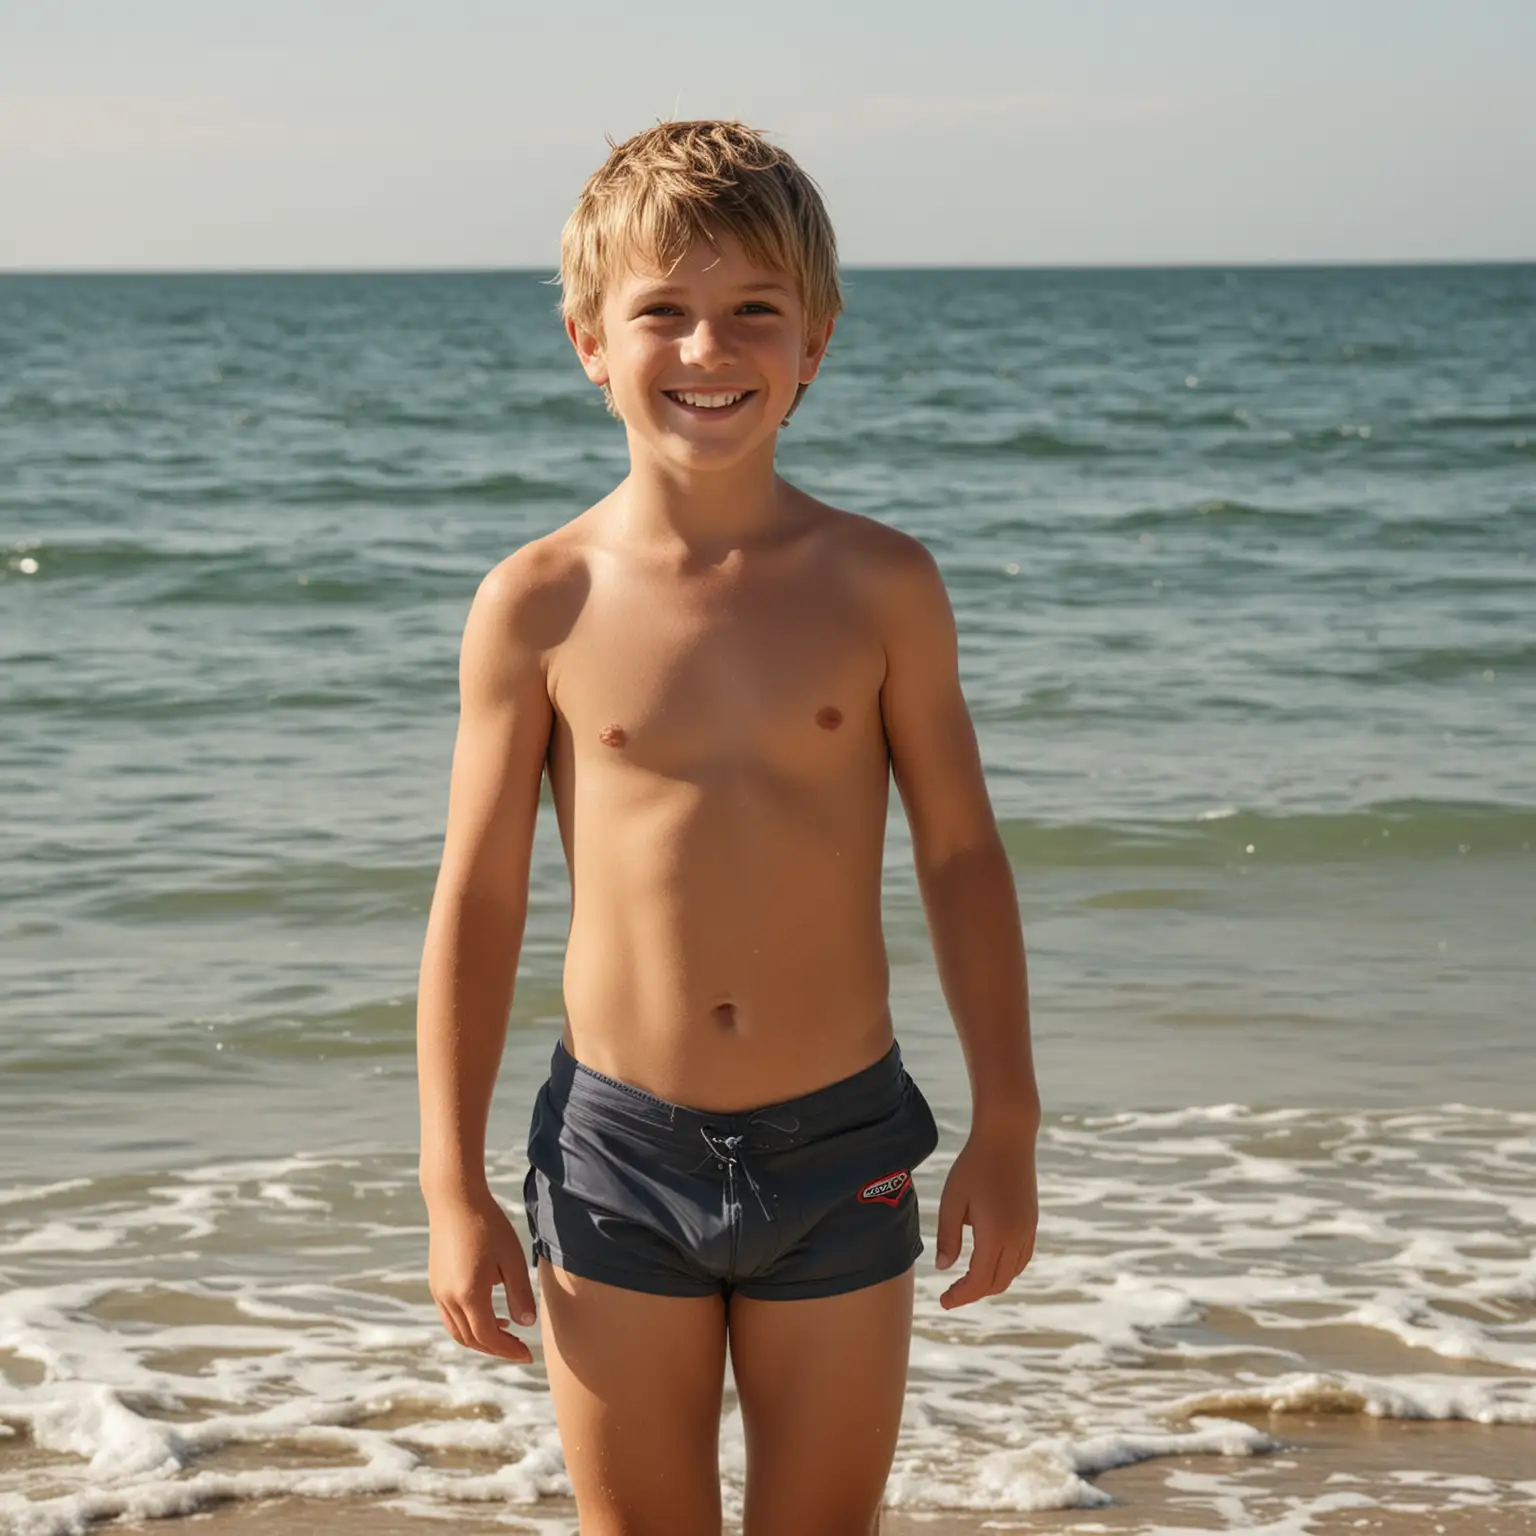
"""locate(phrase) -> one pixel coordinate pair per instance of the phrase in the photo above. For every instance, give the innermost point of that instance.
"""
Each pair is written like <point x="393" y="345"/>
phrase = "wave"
<point x="1435" y="664"/>
<point x="1390" y="830"/>
<point x="1315" y="1393"/>
<point x="1461" y="421"/>
<point x="1032" y="443"/>
<point x="26" y="405"/>
<point x="1200" y="1268"/>
<point x="388" y="488"/>
<point x="129" y="571"/>
<point x="329" y="891"/>
<point x="1476" y="666"/>
<point x="1170" y="419"/>
<point x="914" y="437"/>
<point x="1385" y="444"/>
<point x="1219" y="510"/>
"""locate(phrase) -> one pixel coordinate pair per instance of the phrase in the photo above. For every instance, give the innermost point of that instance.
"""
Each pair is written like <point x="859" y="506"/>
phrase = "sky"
<point x="258" y="134"/>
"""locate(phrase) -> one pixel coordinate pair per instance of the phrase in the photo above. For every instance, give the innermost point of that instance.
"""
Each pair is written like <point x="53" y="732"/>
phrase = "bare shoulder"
<point x="893" y="573"/>
<point x="887" y="551"/>
<point x="530" y="600"/>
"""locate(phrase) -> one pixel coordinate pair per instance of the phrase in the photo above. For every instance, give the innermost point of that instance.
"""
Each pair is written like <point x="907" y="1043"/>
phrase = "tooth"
<point x="709" y="402"/>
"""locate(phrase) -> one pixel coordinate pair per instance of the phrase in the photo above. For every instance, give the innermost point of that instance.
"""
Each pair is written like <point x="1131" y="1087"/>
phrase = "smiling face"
<point x="706" y="360"/>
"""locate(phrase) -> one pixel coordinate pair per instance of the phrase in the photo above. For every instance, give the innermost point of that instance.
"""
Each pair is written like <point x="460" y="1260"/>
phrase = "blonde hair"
<point x="663" y="189"/>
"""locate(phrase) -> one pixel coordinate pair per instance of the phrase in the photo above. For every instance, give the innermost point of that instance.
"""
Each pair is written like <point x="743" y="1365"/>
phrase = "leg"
<point x="821" y="1385"/>
<point x="637" y="1381"/>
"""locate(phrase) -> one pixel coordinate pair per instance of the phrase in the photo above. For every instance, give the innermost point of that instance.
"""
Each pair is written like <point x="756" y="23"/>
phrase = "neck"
<point x="705" y="510"/>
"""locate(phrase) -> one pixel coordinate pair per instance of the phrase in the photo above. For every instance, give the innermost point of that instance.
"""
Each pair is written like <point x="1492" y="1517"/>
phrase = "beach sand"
<point x="1382" y="1477"/>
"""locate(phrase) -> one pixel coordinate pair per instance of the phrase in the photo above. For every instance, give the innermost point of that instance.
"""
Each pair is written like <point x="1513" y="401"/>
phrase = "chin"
<point x="691" y="453"/>
<point x="711" y="457"/>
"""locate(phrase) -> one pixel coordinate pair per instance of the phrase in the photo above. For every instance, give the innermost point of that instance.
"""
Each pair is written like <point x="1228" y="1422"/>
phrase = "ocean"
<point x="1244" y="566"/>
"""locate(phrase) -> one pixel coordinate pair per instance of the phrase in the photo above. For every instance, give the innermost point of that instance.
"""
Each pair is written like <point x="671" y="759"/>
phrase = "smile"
<point x="712" y="400"/>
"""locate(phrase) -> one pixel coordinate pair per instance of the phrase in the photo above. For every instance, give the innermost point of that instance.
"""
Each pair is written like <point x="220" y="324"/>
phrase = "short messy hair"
<point x="675" y="183"/>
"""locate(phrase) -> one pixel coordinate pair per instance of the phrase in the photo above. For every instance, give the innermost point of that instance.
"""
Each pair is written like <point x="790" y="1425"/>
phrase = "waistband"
<point x="791" y="1120"/>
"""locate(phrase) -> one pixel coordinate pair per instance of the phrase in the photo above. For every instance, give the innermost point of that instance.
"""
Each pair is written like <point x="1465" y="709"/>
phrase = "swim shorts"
<point x="808" y="1197"/>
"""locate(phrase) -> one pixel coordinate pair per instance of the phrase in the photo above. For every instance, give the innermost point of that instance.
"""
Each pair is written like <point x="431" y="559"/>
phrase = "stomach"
<point x="724" y="953"/>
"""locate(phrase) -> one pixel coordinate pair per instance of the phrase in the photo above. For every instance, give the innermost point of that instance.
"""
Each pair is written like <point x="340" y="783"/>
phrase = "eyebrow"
<point x="663" y="290"/>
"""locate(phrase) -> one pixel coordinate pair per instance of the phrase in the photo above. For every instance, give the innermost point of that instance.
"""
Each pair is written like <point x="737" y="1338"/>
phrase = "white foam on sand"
<point x="1196" y="1269"/>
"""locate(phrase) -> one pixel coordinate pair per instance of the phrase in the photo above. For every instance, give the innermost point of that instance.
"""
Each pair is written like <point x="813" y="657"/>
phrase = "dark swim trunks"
<point x="808" y="1197"/>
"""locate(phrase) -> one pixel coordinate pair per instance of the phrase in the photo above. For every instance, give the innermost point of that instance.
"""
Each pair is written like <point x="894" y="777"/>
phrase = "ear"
<point x="816" y="343"/>
<point x="589" y="348"/>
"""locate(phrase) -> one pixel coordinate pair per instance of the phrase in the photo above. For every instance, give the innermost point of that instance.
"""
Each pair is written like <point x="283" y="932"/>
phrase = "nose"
<point x="707" y="345"/>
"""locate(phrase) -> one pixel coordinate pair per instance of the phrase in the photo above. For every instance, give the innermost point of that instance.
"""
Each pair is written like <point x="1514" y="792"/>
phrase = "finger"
<point x="449" y="1323"/>
<point x="979" y="1278"/>
<point x="462" y="1314"/>
<point x="1026" y="1253"/>
<point x="490" y="1334"/>
<point x="519" y="1289"/>
<point x="458" y="1326"/>
<point x="1011" y="1266"/>
<point x="952" y="1213"/>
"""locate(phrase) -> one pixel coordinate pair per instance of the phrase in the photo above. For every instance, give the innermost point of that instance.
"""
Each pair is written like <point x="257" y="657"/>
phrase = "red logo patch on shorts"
<point x="887" y="1190"/>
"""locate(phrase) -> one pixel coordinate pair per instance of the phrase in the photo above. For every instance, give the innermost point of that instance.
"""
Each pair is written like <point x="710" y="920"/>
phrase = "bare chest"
<point x="679" y="679"/>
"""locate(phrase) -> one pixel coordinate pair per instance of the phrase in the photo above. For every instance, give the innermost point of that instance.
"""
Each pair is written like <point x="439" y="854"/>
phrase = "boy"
<point x="719" y="674"/>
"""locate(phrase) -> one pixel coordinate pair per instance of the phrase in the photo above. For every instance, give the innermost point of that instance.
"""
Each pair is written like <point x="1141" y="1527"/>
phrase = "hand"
<point x="991" y="1188"/>
<point x="474" y="1247"/>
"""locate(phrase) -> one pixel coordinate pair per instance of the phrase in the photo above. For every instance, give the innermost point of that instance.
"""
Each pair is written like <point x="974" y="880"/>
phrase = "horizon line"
<point x="477" y="270"/>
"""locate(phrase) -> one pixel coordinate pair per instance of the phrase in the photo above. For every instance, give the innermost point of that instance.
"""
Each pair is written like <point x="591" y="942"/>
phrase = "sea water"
<point x="1244" y="567"/>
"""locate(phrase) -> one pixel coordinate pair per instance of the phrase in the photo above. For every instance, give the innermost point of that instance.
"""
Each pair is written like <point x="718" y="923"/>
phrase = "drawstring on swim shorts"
<point x="727" y="1152"/>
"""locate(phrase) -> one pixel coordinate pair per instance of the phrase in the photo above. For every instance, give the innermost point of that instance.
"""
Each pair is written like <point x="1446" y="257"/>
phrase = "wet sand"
<point x="1382" y="1477"/>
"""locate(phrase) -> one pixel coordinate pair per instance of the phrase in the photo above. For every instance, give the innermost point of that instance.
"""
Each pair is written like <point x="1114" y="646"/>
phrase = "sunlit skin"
<point x="719" y="675"/>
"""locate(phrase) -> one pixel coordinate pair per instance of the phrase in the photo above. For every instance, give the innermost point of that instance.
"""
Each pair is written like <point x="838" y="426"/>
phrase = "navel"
<point x="613" y="736"/>
<point x="829" y="717"/>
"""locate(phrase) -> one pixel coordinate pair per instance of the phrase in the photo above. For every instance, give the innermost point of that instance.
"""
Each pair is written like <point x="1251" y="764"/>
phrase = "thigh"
<point x="637" y="1382"/>
<point x="821" y="1384"/>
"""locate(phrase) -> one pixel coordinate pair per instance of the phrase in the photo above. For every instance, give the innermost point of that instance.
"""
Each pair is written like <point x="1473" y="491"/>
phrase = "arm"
<point x="973" y="918"/>
<point x="469" y="959"/>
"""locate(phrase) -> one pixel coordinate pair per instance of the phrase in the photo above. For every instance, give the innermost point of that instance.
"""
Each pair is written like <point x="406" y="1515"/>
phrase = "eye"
<point x="760" y="307"/>
<point x="659" y="309"/>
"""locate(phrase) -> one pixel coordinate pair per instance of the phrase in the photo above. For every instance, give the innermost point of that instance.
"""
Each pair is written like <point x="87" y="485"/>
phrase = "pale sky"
<point x="444" y="133"/>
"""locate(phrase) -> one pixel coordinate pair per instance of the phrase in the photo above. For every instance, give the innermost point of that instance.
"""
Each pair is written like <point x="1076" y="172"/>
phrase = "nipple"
<point x="829" y="717"/>
<point x="613" y="736"/>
